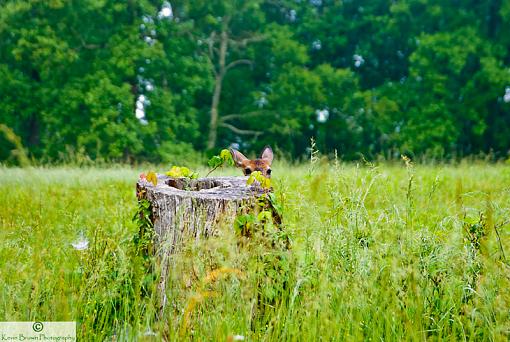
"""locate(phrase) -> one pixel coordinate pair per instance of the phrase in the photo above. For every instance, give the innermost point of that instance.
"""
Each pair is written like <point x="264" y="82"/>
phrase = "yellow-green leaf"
<point x="250" y="180"/>
<point x="266" y="182"/>
<point x="181" y="171"/>
<point x="185" y="172"/>
<point x="152" y="177"/>
<point x="264" y="215"/>
<point x="225" y="154"/>
<point x="175" y="172"/>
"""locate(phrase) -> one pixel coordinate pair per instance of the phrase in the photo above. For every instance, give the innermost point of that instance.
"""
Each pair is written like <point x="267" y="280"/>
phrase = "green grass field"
<point x="378" y="253"/>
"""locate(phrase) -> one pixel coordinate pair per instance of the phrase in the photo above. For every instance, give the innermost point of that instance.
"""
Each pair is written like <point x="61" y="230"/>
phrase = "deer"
<point x="262" y="164"/>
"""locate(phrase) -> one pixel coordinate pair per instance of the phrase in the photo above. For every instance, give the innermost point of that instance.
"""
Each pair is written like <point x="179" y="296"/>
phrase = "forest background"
<point x="152" y="81"/>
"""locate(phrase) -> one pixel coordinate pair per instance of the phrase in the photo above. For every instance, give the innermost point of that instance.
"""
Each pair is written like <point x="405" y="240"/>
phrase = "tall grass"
<point x="387" y="252"/>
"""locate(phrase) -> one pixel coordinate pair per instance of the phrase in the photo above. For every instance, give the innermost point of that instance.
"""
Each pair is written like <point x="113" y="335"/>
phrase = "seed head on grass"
<point x="214" y="275"/>
<point x="192" y="303"/>
<point x="210" y="278"/>
<point x="407" y="161"/>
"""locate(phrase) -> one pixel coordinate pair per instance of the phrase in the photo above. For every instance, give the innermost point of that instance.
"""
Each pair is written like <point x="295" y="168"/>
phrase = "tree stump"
<point x="183" y="209"/>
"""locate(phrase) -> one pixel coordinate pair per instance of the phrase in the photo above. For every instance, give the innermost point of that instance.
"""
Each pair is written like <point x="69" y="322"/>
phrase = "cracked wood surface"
<point x="184" y="209"/>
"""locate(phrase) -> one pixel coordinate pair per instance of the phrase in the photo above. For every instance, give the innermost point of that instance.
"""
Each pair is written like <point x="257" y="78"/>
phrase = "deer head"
<point x="262" y="164"/>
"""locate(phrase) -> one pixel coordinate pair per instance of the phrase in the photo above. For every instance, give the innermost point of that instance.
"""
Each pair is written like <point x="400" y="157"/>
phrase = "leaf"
<point x="181" y="171"/>
<point x="243" y="221"/>
<point x="224" y="154"/>
<point x="175" y="172"/>
<point x="215" y="161"/>
<point x="263" y="181"/>
<point x="250" y="180"/>
<point x="226" y="157"/>
<point x="274" y="202"/>
<point x="264" y="215"/>
<point x="185" y="172"/>
<point x="152" y="177"/>
<point x="253" y="176"/>
<point x="266" y="182"/>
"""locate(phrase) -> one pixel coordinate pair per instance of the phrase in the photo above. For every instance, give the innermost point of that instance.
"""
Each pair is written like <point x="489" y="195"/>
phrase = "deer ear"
<point x="238" y="157"/>
<point x="267" y="154"/>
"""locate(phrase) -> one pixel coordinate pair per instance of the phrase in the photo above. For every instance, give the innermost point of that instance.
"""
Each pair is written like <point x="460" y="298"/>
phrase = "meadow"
<point x="379" y="252"/>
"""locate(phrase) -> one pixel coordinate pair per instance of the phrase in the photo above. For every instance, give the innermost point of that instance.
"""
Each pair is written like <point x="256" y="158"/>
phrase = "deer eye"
<point x="268" y="171"/>
<point x="247" y="171"/>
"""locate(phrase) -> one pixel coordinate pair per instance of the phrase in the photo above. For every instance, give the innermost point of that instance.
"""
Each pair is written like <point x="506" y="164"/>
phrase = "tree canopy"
<point x="156" y="81"/>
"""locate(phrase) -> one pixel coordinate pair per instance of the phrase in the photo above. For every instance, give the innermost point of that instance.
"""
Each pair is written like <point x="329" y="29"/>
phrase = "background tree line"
<point x="157" y="81"/>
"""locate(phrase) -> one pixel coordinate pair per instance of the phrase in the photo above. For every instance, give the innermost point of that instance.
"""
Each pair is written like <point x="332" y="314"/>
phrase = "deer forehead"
<point x="256" y="164"/>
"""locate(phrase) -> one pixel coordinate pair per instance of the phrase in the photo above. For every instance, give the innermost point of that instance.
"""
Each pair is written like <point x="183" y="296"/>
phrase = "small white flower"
<point x="81" y="244"/>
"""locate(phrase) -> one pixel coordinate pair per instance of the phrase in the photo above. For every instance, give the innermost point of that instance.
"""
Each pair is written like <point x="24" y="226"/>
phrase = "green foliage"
<point x="353" y="253"/>
<point x="244" y="223"/>
<point x="262" y="181"/>
<point x="215" y="162"/>
<point x="425" y="78"/>
<point x="181" y="171"/>
<point x="224" y="158"/>
<point x="261" y="226"/>
<point x="144" y="239"/>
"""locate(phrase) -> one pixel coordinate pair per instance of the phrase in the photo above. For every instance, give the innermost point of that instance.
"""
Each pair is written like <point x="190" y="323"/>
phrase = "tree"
<point x="77" y="78"/>
<point x="224" y="29"/>
<point x="364" y="77"/>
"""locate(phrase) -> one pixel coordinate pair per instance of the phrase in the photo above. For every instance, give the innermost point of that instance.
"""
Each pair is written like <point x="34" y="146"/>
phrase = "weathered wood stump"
<point x="184" y="209"/>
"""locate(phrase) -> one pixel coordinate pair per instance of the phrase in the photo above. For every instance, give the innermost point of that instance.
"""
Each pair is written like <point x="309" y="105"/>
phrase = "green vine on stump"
<point x="224" y="158"/>
<point x="143" y="242"/>
<point x="144" y="238"/>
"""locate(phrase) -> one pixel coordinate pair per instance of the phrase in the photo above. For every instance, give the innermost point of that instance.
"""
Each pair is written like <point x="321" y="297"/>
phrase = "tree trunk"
<point x="183" y="210"/>
<point x="213" y="124"/>
<point x="220" y="74"/>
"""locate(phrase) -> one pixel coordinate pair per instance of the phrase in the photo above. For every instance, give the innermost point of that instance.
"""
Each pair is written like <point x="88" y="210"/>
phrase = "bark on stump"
<point x="182" y="209"/>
